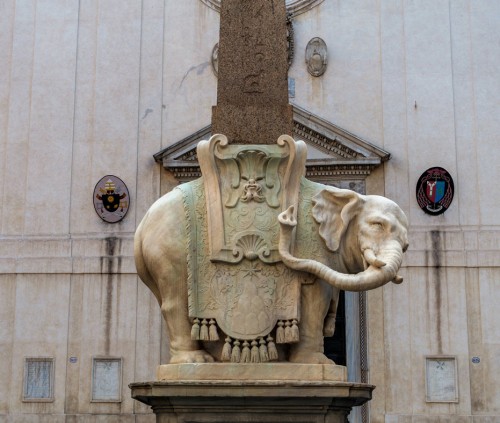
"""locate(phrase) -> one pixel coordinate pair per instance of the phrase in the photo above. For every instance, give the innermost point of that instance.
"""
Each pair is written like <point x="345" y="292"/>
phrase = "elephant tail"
<point x="140" y="264"/>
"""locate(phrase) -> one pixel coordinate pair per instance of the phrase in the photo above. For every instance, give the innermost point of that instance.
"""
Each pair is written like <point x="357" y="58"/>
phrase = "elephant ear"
<point x="333" y="209"/>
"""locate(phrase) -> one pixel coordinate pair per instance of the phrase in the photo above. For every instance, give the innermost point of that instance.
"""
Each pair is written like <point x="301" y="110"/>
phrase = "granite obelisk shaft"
<point x="252" y="93"/>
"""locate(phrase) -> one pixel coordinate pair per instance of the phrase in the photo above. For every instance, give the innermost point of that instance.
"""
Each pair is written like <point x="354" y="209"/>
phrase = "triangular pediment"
<point x="333" y="152"/>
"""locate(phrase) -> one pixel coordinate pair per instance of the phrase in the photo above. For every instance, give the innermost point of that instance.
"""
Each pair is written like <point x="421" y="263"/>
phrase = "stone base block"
<point x="262" y="371"/>
<point x="251" y="401"/>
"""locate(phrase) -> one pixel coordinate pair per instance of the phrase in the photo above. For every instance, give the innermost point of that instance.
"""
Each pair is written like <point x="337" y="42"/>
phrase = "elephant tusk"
<point x="372" y="259"/>
<point x="398" y="279"/>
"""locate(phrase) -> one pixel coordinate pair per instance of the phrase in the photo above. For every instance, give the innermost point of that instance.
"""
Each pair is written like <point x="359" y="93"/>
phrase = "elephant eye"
<point x="377" y="224"/>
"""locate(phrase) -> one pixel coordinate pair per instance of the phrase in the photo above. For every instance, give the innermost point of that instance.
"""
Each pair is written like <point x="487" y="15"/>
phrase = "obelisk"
<point x="246" y="183"/>
<point x="252" y="93"/>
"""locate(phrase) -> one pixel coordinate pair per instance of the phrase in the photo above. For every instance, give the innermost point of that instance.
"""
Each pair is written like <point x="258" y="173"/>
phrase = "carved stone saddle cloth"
<point x="236" y="280"/>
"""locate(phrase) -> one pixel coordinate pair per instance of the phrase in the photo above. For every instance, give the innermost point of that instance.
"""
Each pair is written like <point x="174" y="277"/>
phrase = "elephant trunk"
<point x="378" y="273"/>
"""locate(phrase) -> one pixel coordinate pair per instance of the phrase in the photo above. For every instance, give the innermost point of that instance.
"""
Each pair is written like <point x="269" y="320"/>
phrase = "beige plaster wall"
<point x="97" y="87"/>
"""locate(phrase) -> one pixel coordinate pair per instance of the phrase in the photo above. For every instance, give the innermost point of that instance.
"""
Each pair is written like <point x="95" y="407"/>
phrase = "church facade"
<point x="396" y="98"/>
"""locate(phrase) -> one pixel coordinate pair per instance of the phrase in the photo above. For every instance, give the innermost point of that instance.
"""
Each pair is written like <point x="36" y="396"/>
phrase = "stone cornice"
<point x="339" y="153"/>
<point x="466" y="247"/>
<point x="330" y="137"/>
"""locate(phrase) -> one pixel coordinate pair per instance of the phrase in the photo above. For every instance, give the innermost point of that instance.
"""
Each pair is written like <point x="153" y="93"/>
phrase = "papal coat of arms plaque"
<point x="111" y="199"/>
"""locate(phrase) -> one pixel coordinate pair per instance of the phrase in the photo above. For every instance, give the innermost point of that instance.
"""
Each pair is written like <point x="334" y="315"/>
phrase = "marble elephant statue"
<point x="342" y="240"/>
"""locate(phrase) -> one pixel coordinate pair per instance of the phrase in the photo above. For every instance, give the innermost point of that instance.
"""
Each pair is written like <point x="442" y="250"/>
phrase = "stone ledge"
<point x="283" y="372"/>
<point x="449" y="259"/>
<point x="69" y="265"/>
<point x="352" y="393"/>
<point x="268" y="401"/>
<point x="82" y="417"/>
<point x="126" y="265"/>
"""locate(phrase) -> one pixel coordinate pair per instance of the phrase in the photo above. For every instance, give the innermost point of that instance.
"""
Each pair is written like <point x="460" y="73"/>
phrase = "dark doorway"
<point x="335" y="346"/>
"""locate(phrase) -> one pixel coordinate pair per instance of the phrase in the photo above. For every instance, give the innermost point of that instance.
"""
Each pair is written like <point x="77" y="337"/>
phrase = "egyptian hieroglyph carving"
<point x="294" y="7"/>
<point x="252" y="90"/>
<point x="252" y="255"/>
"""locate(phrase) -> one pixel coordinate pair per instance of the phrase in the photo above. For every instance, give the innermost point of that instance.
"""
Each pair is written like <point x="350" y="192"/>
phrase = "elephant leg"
<point x="315" y="305"/>
<point x="174" y="309"/>
<point x="161" y="246"/>
<point x="331" y="317"/>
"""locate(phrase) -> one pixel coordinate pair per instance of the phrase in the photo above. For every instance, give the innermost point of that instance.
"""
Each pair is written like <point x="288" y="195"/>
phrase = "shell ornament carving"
<point x="252" y="247"/>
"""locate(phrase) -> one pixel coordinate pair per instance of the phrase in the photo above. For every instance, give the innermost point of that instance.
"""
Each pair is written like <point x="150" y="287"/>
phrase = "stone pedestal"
<point x="313" y="399"/>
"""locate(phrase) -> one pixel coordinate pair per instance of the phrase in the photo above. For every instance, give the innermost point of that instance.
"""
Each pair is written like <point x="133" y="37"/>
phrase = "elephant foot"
<point x="309" y="357"/>
<point x="197" y="356"/>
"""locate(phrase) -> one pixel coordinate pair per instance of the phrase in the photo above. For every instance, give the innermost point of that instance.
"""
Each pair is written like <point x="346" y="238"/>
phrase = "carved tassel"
<point x="264" y="355"/>
<point x="212" y="331"/>
<point x="236" y="353"/>
<point x="280" y="333"/>
<point x="195" y="330"/>
<point x="255" y="356"/>
<point x="226" y="350"/>
<point x="271" y="349"/>
<point x="288" y="332"/>
<point x="245" y="353"/>
<point x="295" y="331"/>
<point x="204" y="331"/>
